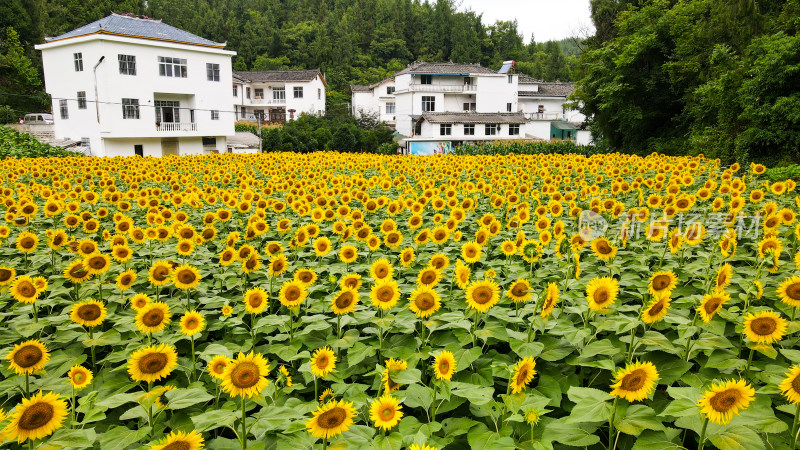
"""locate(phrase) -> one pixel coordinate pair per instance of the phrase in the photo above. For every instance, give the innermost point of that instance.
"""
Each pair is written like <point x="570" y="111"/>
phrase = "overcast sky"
<point x="546" y="19"/>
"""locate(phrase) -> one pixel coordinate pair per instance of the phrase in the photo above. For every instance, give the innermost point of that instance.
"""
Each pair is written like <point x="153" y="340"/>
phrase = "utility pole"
<point x="260" y="143"/>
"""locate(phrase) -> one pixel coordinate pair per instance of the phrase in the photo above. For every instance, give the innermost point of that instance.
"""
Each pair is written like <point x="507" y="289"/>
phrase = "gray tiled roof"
<point x="278" y="75"/>
<point x="547" y="89"/>
<point x="443" y="68"/>
<point x="473" y="117"/>
<point x="359" y="88"/>
<point x="524" y="79"/>
<point x="134" y="26"/>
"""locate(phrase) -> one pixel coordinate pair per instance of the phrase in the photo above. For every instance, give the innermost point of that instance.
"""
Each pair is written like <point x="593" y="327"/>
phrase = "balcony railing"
<point x="177" y="126"/>
<point x="443" y="87"/>
<point x="542" y="116"/>
<point x="277" y="101"/>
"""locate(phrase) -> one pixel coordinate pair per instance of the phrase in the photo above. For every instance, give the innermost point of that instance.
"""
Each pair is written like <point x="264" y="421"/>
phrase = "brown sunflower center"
<point x="219" y="367"/>
<point x="277" y="266"/>
<point x="26" y="289"/>
<point x="381" y="271"/>
<point x="661" y="282"/>
<point x="153" y="362"/>
<point x="305" y="277"/>
<point x="428" y="277"/>
<point x="763" y="326"/>
<point x="444" y="366"/>
<point x="255" y="300"/>
<point x="153" y="318"/>
<point x="89" y="312"/>
<point x="344" y="300"/>
<point x="292" y="293"/>
<point x="482" y="295"/>
<point x="634" y="380"/>
<point x="793" y="291"/>
<point x="322" y="362"/>
<point x="126" y="279"/>
<point x="5" y="275"/>
<point x="160" y="273"/>
<point x="470" y="251"/>
<point x="186" y="276"/>
<point x="725" y="400"/>
<point x="796" y="384"/>
<point x="603" y="248"/>
<point x="712" y="305"/>
<point x="425" y="301"/>
<point x="522" y="375"/>
<point x="601" y="296"/>
<point x="657" y="308"/>
<point x="36" y="416"/>
<point x="351" y="282"/>
<point x="28" y="356"/>
<point x="385" y="293"/>
<point x="519" y="290"/>
<point x="79" y="377"/>
<point x="387" y="412"/>
<point x="27" y="242"/>
<point x="245" y="375"/>
<point x="177" y="445"/>
<point x="332" y="418"/>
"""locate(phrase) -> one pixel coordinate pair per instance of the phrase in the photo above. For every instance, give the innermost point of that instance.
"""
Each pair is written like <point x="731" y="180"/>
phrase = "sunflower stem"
<point x="27" y="386"/>
<point x="35" y="312"/>
<point x="194" y="364"/>
<point x="749" y="361"/>
<point x="244" y="428"/>
<point x="794" y="312"/>
<point x="72" y="409"/>
<point x="324" y="443"/>
<point x="433" y="402"/>
<point x="316" y="390"/>
<point x="91" y="348"/>
<point x="611" y="422"/>
<point x="702" y="441"/>
<point x="795" y="424"/>
<point x="630" y="345"/>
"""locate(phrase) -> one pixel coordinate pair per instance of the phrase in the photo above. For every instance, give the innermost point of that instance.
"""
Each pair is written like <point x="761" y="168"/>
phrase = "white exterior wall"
<point x="194" y="92"/>
<point x="432" y="131"/>
<point x="494" y="92"/>
<point x="313" y="101"/>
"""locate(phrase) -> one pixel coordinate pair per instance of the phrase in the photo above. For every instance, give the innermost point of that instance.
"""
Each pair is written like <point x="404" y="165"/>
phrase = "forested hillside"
<point x="353" y="42"/>
<point x="719" y="77"/>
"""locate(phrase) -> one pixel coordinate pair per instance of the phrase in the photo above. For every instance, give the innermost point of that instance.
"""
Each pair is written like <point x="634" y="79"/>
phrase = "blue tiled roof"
<point x="133" y="26"/>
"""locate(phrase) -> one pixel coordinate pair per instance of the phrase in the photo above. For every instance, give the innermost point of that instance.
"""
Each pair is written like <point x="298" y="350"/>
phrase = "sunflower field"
<point x="326" y="300"/>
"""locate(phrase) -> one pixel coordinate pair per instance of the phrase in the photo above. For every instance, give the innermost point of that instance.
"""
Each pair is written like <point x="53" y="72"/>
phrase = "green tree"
<point x="18" y="77"/>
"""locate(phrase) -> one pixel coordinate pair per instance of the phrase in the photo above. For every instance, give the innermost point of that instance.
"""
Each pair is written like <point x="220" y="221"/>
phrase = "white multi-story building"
<point x="278" y="95"/>
<point x="437" y="105"/>
<point x="137" y="86"/>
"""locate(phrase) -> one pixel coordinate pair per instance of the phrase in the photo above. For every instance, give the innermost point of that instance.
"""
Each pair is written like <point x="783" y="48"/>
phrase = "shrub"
<point x="14" y="144"/>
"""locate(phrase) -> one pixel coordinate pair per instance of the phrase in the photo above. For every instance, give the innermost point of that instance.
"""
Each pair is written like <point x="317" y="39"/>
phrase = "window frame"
<point x="426" y="79"/>
<point x="297" y="90"/>
<point x="130" y="109"/>
<point x="81" y="99"/>
<point x="509" y="106"/>
<point x="212" y="72"/>
<point x="491" y="129"/>
<point x="430" y="100"/>
<point x="214" y="114"/>
<point x="445" y="129"/>
<point x="77" y="60"/>
<point x="258" y="93"/>
<point x="470" y="106"/>
<point x="513" y="129"/>
<point x="279" y="93"/>
<point x="390" y="90"/>
<point x="393" y="107"/>
<point x="173" y="67"/>
<point x="63" y="109"/>
<point x="235" y="91"/>
<point x="127" y="64"/>
<point x="469" y="129"/>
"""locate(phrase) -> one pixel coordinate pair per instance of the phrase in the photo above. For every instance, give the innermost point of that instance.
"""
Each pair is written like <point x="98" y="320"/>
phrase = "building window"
<point x="78" y="61"/>
<point x="510" y="79"/>
<point x="138" y="150"/>
<point x="467" y="81"/>
<point x="298" y="92"/>
<point x="130" y="108"/>
<point x="390" y="108"/>
<point x="214" y="114"/>
<point x="62" y="108"/>
<point x="172" y="67"/>
<point x="469" y="129"/>
<point x="248" y="92"/>
<point x="212" y="72"/>
<point x="279" y="93"/>
<point x="127" y="64"/>
<point x="235" y="91"/>
<point x="492" y="129"/>
<point x="389" y="90"/>
<point x="469" y="107"/>
<point x="445" y="129"/>
<point x="428" y="103"/>
<point x="319" y="94"/>
<point x="426" y="79"/>
<point x="168" y="111"/>
<point x="508" y="107"/>
<point x="259" y="93"/>
<point x="513" y="129"/>
<point x="540" y="109"/>
<point x="81" y="99"/>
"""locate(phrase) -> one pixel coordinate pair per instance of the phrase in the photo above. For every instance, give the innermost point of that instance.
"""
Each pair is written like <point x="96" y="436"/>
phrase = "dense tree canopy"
<point x="719" y="77"/>
<point x="352" y="41"/>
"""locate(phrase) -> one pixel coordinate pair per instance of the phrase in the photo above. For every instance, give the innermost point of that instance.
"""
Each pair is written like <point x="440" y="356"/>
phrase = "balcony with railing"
<point x="176" y="126"/>
<point x="446" y="88"/>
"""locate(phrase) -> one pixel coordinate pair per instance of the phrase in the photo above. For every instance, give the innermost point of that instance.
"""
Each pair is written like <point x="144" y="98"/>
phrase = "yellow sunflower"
<point x="789" y="291"/>
<point x="635" y="382"/>
<point x="429" y="276"/>
<point x="36" y="417"/>
<point x="711" y="304"/>
<point x="192" y="323"/>
<point x="331" y="419"/>
<point x="519" y="291"/>
<point x="217" y="365"/>
<point x="385" y="294"/>
<point x="348" y="254"/>
<point x="462" y="273"/>
<point x="97" y="263"/>
<point x="392" y="365"/>
<point x="444" y="365"/>
<point x="601" y="293"/>
<point x="76" y="272"/>
<point x="139" y="301"/>
<point x="27" y="242"/>
<point x="424" y="301"/>
<point x="385" y="412"/>
<point x="153" y="317"/>
<point x="246" y="376"/>
<point x="381" y="269"/>
<point x="550" y="300"/>
<point x="482" y="295"/>
<point x="180" y="440"/>
<point x="28" y="357"/>
<point x="126" y="279"/>
<point x="723" y="278"/>
<point x="662" y="282"/>
<point x="186" y="277"/>
<point x="790" y="386"/>
<point x="723" y="400"/>
<point x="292" y="294"/>
<point x="160" y="274"/>
<point x="305" y="276"/>
<point x="764" y="327"/>
<point x="23" y="290"/>
<point x="256" y="300"/>
<point x="7" y="275"/>
<point x="322" y="362"/>
<point x="89" y="313"/>
<point x="523" y="374"/>
<point x="345" y="301"/>
<point x="471" y="252"/>
<point x="152" y="363"/>
<point x="657" y="309"/>
<point x="603" y="249"/>
<point x="79" y="377"/>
